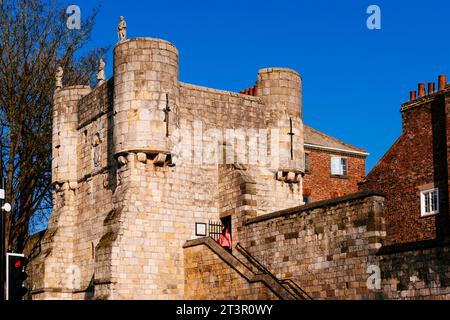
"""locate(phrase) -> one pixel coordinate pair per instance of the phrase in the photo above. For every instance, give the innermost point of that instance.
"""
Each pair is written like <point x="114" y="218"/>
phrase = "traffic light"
<point x="16" y="276"/>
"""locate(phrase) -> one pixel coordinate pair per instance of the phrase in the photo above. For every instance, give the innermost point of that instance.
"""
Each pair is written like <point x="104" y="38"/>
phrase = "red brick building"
<point x="414" y="172"/>
<point x="333" y="167"/>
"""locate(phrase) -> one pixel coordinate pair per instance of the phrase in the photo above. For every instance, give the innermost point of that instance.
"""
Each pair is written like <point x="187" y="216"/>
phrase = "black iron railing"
<point x="289" y="284"/>
<point x="215" y="229"/>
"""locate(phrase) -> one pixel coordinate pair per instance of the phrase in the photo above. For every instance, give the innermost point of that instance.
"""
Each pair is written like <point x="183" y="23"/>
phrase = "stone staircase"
<point x="259" y="269"/>
<point x="248" y="268"/>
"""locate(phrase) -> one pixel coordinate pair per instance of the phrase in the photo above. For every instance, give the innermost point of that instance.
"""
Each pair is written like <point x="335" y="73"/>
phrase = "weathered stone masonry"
<point x="126" y="199"/>
<point x="127" y="195"/>
<point x="330" y="249"/>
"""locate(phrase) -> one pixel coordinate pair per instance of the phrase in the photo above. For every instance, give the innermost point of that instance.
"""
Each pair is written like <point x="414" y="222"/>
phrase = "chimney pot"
<point x="430" y="87"/>
<point x="421" y="90"/>
<point x="412" y="95"/>
<point x="442" y="82"/>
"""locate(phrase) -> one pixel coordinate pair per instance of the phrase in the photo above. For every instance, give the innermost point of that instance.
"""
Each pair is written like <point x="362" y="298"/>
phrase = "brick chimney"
<point x="430" y="88"/>
<point x="442" y="82"/>
<point x="421" y="90"/>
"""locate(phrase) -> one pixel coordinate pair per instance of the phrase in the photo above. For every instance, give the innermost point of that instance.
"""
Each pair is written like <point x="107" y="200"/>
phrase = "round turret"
<point x="145" y="76"/>
<point x="281" y="90"/>
<point x="65" y="133"/>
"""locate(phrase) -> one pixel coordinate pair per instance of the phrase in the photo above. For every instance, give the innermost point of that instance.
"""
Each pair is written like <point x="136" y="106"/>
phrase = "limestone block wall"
<point x="273" y="194"/>
<point x="145" y="76"/>
<point x="228" y="123"/>
<point x="209" y="277"/>
<point x="96" y="104"/>
<point x="96" y="183"/>
<point x="157" y="208"/>
<point x="333" y="248"/>
<point x="416" y="273"/>
<point x="58" y="272"/>
<point x="65" y="133"/>
<point x="52" y="272"/>
<point x="121" y="214"/>
<point x="247" y="192"/>
<point x="281" y="91"/>
<point x="325" y="247"/>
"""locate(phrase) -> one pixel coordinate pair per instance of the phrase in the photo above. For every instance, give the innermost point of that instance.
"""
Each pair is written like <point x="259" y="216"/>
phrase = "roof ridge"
<point x="335" y="139"/>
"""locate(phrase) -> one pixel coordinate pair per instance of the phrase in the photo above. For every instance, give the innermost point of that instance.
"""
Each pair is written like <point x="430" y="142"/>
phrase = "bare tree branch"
<point x="34" y="41"/>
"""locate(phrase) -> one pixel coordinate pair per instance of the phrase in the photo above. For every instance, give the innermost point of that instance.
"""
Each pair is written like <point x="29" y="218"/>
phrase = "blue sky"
<point x="354" y="79"/>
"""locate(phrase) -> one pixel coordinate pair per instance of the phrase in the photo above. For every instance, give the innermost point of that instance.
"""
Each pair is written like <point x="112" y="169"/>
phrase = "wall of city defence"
<point x="136" y="166"/>
<point x="332" y="249"/>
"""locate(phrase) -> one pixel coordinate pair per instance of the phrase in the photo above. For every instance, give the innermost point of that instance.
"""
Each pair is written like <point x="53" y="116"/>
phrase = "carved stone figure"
<point x="105" y="179"/>
<point x="58" y="77"/>
<point x="101" y="72"/>
<point x="96" y="147"/>
<point x="122" y="30"/>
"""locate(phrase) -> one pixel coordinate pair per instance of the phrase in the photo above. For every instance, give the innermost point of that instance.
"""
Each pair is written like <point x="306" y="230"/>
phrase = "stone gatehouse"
<point x="137" y="163"/>
<point x="143" y="162"/>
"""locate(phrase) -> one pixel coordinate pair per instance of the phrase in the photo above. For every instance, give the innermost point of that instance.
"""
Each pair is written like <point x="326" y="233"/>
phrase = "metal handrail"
<point x="262" y="268"/>
<point x="291" y="282"/>
<point x="249" y="269"/>
<point x="258" y="264"/>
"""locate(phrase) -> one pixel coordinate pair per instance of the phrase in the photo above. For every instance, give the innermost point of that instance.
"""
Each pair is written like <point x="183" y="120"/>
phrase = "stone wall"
<point x="332" y="248"/>
<point x="415" y="272"/>
<point x="324" y="247"/>
<point x="96" y="104"/>
<point x="214" y="274"/>
<point x="132" y="178"/>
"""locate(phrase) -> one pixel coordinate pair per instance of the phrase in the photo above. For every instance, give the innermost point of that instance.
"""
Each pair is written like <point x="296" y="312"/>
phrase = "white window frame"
<point x="340" y="170"/>
<point x="423" y="199"/>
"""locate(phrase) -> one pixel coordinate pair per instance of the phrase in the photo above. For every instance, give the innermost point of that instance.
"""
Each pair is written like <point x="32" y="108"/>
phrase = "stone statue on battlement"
<point x="58" y="77"/>
<point x="122" y="30"/>
<point x="101" y="72"/>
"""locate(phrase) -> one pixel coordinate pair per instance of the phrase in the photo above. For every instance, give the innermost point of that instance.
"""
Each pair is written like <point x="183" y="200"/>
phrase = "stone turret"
<point x="145" y="74"/>
<point x="56" y="268"/>
<point x="123" y="207"/>
<point x="65" y="133"/>
<point x="281" y="91"/>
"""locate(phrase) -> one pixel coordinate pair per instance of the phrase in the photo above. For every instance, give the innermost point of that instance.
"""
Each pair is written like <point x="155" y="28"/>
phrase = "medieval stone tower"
<point x="142" y="158"/>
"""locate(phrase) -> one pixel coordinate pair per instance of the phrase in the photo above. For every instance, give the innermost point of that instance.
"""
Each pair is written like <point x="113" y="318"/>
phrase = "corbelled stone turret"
<point x="145" y="75"/>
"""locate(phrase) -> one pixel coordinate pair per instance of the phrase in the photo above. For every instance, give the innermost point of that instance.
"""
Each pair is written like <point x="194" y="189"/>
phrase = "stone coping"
<point x="412" y="246"/>
<point x="161" y="41"/>
<point x="69" y="88"/>
<point x="316" y="205"/>
<point x="219" y="91"/>
<point x="267" y="70"/>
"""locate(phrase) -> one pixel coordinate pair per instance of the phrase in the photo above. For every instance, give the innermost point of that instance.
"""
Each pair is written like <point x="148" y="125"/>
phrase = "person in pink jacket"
<point x="225" y="239"/>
